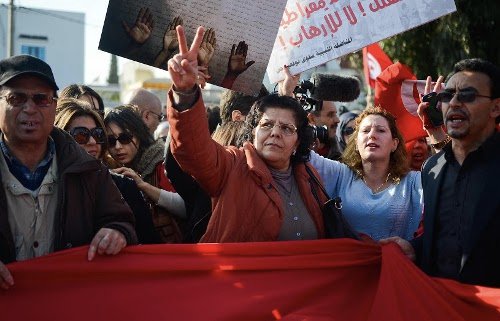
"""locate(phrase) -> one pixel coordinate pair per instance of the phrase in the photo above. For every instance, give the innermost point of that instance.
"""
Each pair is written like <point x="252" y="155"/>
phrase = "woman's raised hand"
<point x="183" y="67"/>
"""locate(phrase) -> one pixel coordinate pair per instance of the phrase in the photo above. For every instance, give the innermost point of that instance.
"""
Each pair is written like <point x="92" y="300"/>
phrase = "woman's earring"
<point x="294" y="151"/>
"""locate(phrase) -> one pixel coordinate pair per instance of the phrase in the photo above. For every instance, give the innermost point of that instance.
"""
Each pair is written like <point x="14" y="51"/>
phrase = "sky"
<point x="96" y="61"/>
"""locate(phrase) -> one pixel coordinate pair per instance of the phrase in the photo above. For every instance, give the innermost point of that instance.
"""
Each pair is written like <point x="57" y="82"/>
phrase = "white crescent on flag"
<point x="411" y="91"/>
<point x="373" y="66"/>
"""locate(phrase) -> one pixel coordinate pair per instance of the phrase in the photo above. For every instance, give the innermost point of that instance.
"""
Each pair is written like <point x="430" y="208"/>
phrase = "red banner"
<point x="307" y="280"/>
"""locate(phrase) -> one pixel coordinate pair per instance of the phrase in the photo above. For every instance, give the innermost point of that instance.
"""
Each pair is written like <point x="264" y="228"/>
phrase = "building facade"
<point x="57" y="37"/>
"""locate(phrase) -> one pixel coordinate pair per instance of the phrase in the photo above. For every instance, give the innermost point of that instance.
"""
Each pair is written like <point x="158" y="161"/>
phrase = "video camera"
<point x="302" y="93"/>
<point x="325" y="87"/>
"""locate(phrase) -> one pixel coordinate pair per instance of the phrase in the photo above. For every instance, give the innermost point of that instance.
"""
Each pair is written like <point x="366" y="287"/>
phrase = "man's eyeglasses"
<point x="286" y="129"/>
<point x="18" y="99"/>
<point x="464" y="96"/>
<point x="348" y="131"/>
<point x="82" y="135"/>
<point x="161" y="117"/>
<point x="124" y="139"/>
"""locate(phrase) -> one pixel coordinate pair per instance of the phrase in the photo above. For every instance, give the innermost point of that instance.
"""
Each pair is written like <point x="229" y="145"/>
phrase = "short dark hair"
<point x="127" y="118"/>
<point x="232" y="100"/>
<point x="304" y="131"/>
<point x="77" y="91"/>
<point x="482" y="66"/>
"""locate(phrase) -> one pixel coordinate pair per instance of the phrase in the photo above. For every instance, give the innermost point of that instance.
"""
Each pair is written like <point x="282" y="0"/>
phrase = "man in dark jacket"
<point x="54" y="195"/>
<point x="462" y="200"/>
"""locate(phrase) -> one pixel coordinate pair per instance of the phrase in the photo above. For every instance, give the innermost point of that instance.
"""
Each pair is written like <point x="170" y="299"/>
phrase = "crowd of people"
<point x="73" y="175"/>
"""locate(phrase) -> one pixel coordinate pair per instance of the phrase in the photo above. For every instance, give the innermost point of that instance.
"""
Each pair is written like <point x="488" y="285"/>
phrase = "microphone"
<point x="334" y="88"/>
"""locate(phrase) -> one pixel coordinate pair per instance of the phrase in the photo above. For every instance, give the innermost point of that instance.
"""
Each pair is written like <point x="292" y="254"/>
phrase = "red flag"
<point x="374" y="62"/>
<point x="316" y="280"/>
<point x="397" y="90"/>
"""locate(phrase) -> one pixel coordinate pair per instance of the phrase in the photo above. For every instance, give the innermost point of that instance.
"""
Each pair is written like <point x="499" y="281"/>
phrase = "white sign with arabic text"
<point x="314" y="32"/>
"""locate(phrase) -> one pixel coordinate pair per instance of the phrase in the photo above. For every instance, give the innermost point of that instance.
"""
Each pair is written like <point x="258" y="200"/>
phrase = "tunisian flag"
<point x="397" y="90"/>
<point x="304" y="280"/>
<point x="374" y="61"/>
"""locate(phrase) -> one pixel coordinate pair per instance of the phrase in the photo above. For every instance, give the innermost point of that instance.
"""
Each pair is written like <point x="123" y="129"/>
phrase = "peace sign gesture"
<point x="183" y="67"/>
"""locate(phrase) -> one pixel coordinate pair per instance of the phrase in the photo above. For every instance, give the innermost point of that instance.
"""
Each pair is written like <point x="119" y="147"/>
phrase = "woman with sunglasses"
<point x="345" y="128"/>
<point x="141" y="158"/>
<point x="85" y="93"/>
<point x="87" y="128"/>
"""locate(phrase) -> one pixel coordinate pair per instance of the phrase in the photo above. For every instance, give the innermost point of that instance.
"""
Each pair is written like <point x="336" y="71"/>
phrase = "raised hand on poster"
<point x="203" y="76"/>
<point x="207" y="48"/>
<point x="141" y="30"/>
<point x="237" y="64"/>
<point x="183" y="67"/>
<point x="170" y="43"/>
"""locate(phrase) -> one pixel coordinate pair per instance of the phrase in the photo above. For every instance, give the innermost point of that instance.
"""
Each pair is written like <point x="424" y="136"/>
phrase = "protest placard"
<point x="314" y="32"/>
<point x="239" y="41"/>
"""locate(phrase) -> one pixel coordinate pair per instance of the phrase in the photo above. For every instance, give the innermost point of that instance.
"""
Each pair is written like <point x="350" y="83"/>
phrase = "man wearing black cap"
<point x="54" y="195"/>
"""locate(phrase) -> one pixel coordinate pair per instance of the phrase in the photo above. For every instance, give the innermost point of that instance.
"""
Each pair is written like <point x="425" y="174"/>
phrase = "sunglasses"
<point x="123" y="138"/>
<point x="348" y="131"/>
<point x="82" y="135"/>
<point x="18" y="99"/>
<point x="464" y="96"/>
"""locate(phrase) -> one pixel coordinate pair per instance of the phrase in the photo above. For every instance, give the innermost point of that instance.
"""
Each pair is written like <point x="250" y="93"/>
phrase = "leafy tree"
<point x="113" y="71"/>
<point x="433" y="48"/>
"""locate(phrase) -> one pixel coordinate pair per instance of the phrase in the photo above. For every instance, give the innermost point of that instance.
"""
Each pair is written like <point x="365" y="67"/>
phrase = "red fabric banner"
<point x="307" y="280"/>
<point x="375" y="60"/>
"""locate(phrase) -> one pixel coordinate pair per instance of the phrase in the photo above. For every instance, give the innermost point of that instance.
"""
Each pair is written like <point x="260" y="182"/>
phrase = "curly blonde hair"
<point x="398" y="161"/>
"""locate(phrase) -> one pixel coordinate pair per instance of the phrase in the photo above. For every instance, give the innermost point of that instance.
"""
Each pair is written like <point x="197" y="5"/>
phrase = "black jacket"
<point x="481" y="256"/>
<point x="197" y="201"/>
<point x="144" y="226"/>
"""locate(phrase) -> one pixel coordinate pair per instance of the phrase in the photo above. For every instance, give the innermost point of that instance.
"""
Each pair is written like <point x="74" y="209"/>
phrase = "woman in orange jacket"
<point x="260" y="192"/>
